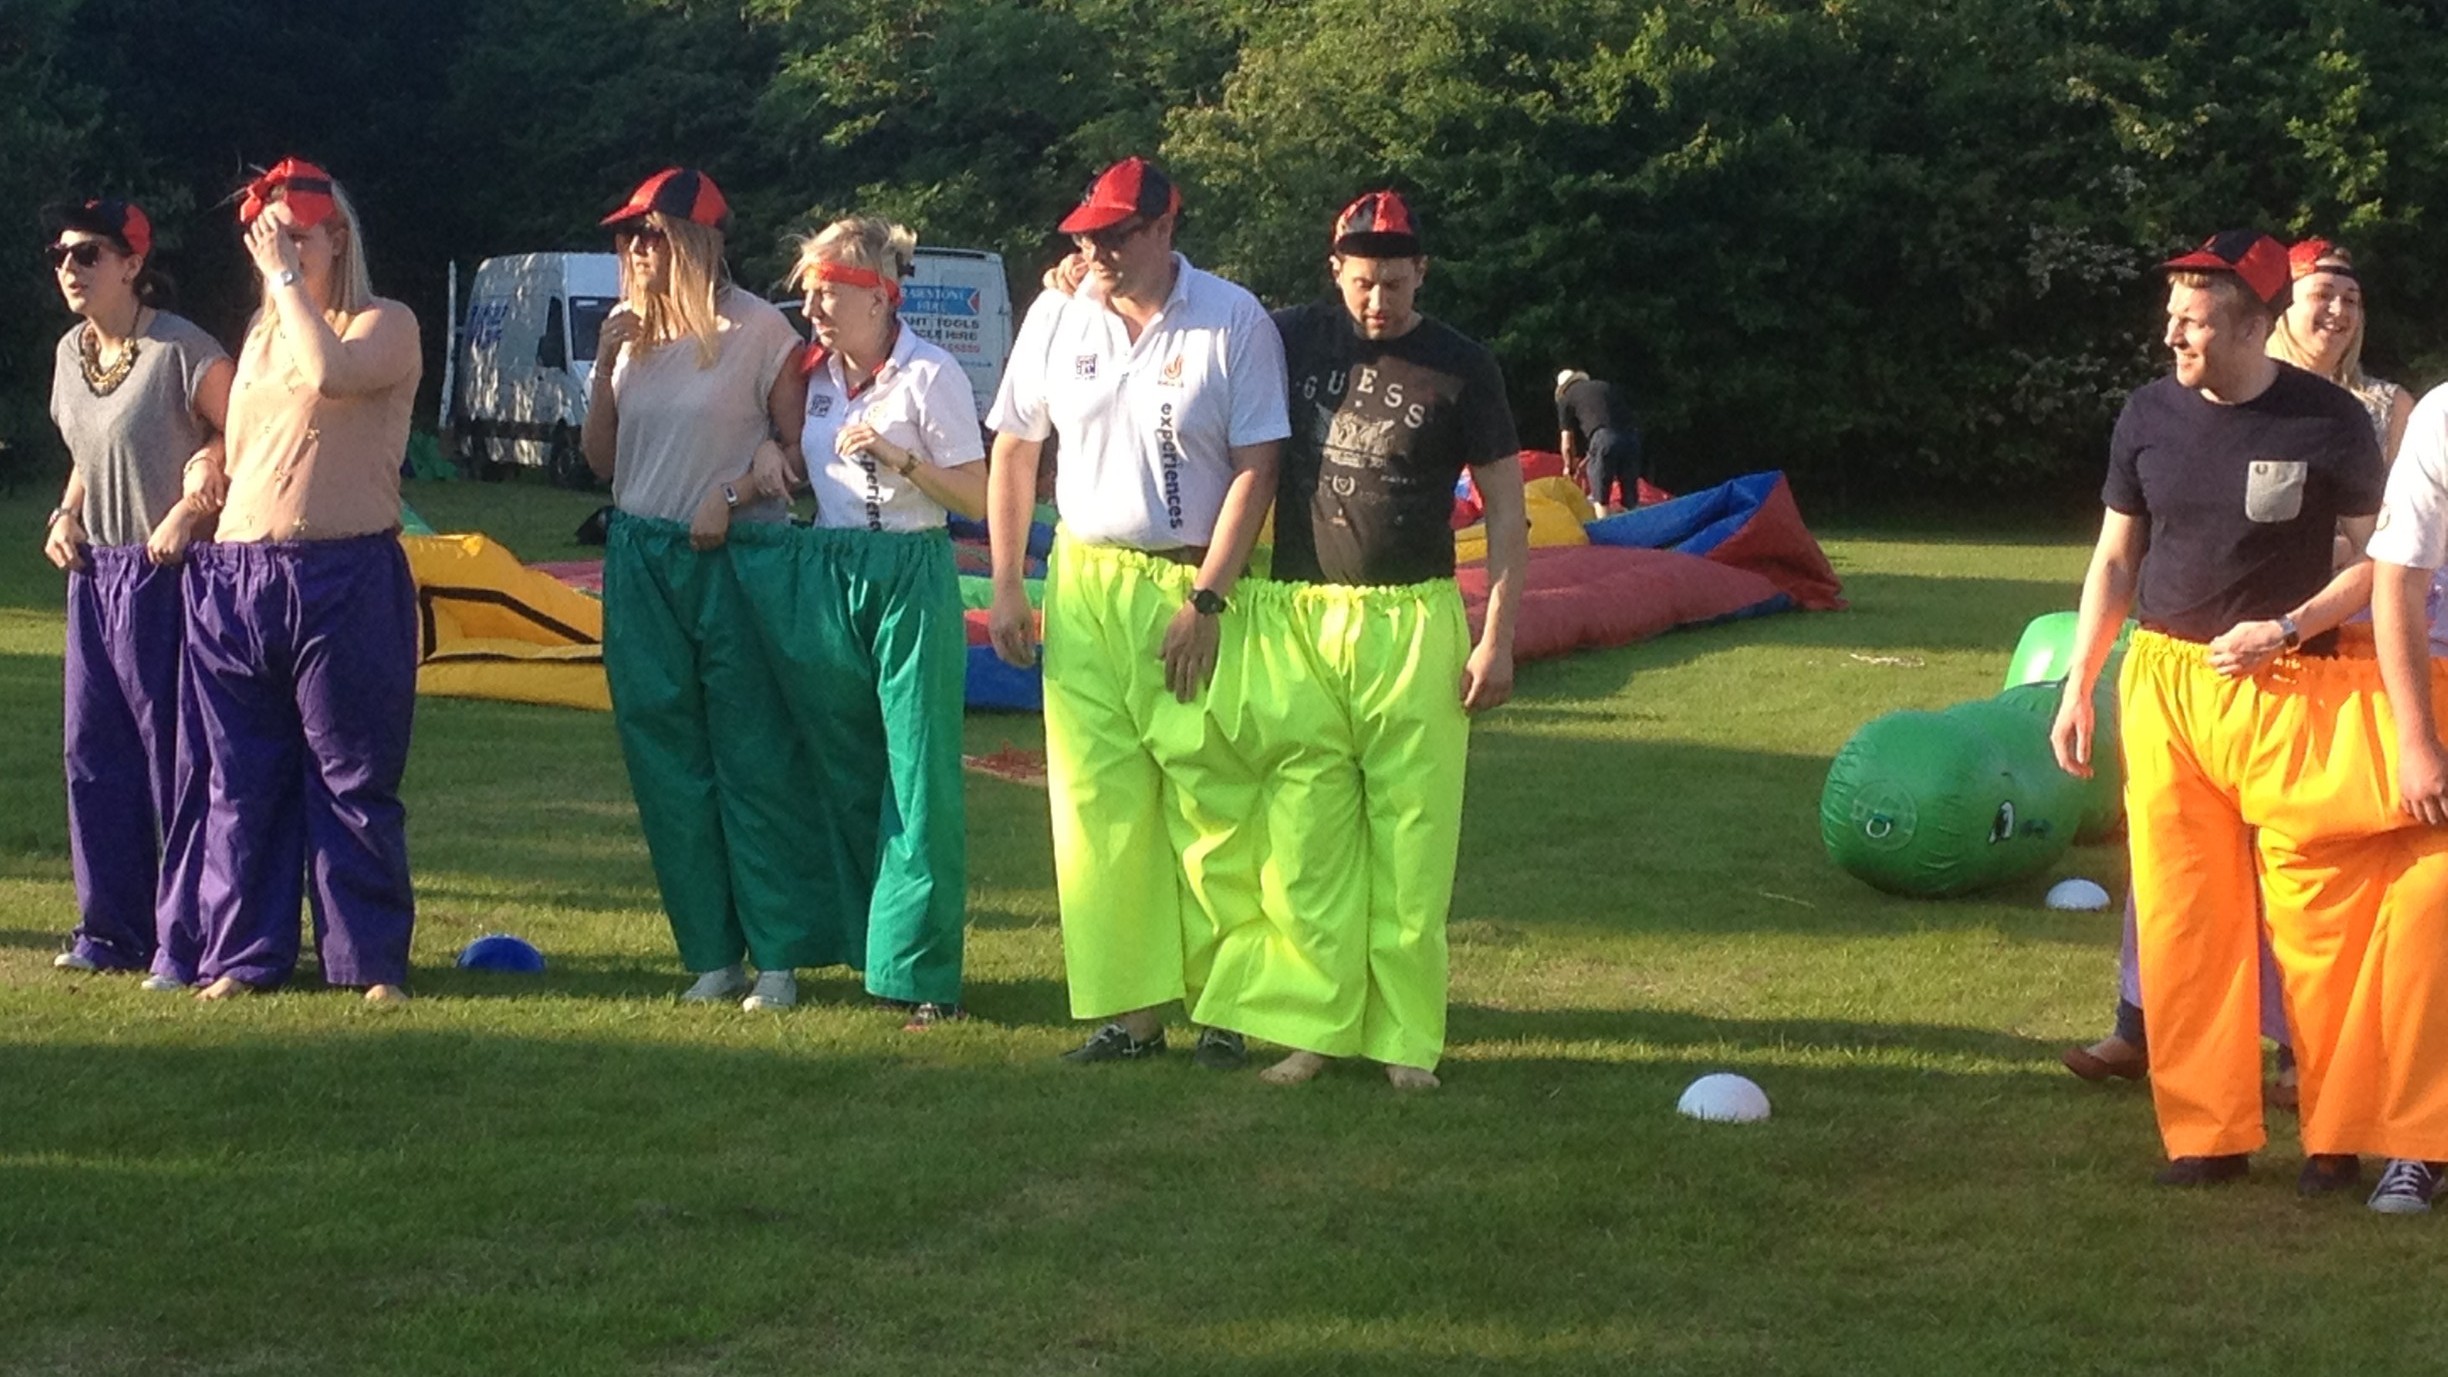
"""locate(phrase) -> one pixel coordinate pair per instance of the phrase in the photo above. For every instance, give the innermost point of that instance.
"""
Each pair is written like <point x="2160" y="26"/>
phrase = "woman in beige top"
<point x="694" y="416"/>
<point x="302" y="628"/>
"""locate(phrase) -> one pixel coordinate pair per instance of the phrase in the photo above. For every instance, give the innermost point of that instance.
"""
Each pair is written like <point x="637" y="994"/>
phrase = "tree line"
<point x="1882" y="244"/>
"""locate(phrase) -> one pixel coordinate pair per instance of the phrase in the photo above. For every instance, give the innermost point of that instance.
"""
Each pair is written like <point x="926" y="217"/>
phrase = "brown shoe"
<point x="2121" y="1061"/>
<point x="2281" y="1094"/>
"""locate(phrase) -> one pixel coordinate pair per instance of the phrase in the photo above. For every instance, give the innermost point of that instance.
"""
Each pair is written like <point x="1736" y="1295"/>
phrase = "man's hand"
<point x="168" y="544"/>
<point x="712" y="525"/>
<point x="64" y="543"/>
<point x="1012" y="624"/>
<point x="2070" y="735"/>
<point x="2246" y="647"/>
<point x="2422" y="782"/>
<point x="1189" y="652"/>
<point x="1487" y="679"/>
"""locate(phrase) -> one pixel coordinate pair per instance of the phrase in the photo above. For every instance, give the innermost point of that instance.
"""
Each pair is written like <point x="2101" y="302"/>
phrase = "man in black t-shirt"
<point x="1364" y="723"/>
<point x="2227" y="484"/>
<point x="1594" y="431"/>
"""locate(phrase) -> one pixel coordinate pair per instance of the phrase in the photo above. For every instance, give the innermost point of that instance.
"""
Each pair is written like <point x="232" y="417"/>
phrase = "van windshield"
<point x="586" y="323"/>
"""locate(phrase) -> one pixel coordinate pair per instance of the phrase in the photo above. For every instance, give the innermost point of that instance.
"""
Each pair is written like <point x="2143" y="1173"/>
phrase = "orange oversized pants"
<point x="2284" y="782"/>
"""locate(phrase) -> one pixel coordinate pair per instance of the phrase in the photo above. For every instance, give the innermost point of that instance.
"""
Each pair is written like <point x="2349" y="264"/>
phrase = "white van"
<point x="957" y="299"/>
<point x="523" y="359"/>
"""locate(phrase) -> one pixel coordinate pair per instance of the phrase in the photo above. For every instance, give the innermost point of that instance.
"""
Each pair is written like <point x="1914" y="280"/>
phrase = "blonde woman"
<point x="138" y="394"/>
<point x="2322" y="333"/>
<point x="691" y="389"/>
<point x="302" y="630"/>
<point x="862" y="610"/>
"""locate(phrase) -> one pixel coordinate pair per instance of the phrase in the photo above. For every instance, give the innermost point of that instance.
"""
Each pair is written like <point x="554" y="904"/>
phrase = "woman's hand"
<point x="712" y="525"/>
<point x="202" y="484"/>
<point x="269" y="246"/>
<point x="64" y="543"/>
<point x="619" y="329"/>
<point x="168" y="543"/>
<point x="858" y="436"/>
<point x="769" y="473"/>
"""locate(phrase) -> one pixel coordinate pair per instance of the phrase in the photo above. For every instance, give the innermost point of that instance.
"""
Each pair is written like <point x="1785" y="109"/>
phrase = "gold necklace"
<point x="99" y="380"/>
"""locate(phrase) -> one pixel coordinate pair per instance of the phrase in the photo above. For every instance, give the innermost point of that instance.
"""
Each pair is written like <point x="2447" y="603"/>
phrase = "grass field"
<point x="581" y="1176"/>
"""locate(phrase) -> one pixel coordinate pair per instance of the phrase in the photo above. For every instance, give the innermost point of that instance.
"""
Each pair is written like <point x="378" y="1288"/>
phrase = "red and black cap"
<point x="1378" y="225"/>
<point x="1131" y="187"/>
<point x="305" y="188"/>
<point x="2304" y="259"/>
<point x="2257" y="260"/>
<point x="119" y="221"/>
<point x="682" y="193"/>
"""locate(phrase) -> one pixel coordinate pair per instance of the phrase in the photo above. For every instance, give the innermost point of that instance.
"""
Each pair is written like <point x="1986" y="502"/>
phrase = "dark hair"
<point x="154" y="287"/>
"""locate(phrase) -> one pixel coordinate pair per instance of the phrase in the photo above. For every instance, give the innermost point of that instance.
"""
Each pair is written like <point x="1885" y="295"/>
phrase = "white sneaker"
<point x="161" y="984"/>
<point x="70" y="961"/>
<point x="774" y="990"/>
<point x="715" y="987"/>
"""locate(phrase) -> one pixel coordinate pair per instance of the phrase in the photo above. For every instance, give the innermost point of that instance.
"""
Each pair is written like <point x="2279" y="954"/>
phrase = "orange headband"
<point x="843" y="273"/>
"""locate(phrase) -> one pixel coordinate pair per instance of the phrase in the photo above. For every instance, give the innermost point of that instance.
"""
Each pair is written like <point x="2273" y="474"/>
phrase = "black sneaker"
<point x="1220" y="1049"/>
<point x="2406" y="1186"/>
<point x="2327" y="1173"/>
<point x="927" y="1014"/>
<point x="2205" y="1171"/>
<point x="1113" y="1042"/>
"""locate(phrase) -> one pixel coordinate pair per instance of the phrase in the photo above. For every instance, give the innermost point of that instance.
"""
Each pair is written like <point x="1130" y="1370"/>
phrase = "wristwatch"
<point x="286" y="277"/>
<point x="2289" y="635"/>
<point x="54" y="518"/>
<point x="730" y="496"/>
<point x="1207" y="602"/>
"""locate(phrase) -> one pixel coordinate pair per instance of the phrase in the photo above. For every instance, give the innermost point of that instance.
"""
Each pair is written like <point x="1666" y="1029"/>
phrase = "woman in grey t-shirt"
<point x="137" y="394"/>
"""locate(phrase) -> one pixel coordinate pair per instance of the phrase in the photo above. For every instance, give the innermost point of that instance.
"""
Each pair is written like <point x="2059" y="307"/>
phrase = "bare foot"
<point x="1410" y="1077"/>
<point x="385" y="994"/>
<point x="1294" y="1069"/>
<point x="227" y="987"/>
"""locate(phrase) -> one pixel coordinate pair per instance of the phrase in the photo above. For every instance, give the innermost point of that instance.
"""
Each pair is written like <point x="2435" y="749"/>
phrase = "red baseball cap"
<point x="2304" y="259"/>
<point x="2259" y="261"/>
<point x="111" y="218"/>
<point x="682" y="193"/>
<point x="1130" y="187"/>
<point x="1378" y="225"/>
<point x="305" y="188"/>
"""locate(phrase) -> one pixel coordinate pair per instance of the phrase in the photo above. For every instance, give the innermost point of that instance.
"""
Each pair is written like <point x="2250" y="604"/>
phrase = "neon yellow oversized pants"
<point x="1354" y="712"/>
<point x="1156" y="813"/>
<point x="2284" y="783"/>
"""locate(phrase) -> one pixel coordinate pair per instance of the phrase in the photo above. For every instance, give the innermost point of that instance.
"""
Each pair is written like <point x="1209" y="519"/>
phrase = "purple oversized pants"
<point x="126" y="625"/>
<point x="294" y="716"/>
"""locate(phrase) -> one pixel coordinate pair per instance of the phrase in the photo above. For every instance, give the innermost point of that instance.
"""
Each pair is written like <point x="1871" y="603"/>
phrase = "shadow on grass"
<point x="1473" y="1029"/>
<point x="706" y="1191"/>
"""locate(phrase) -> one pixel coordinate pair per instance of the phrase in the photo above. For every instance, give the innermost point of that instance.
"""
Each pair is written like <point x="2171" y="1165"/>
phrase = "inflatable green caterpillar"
<point x="1933" y="804"/>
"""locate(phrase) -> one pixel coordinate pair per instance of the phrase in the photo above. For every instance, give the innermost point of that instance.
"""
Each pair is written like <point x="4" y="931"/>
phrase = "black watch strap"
<point x="1207" y="602"/>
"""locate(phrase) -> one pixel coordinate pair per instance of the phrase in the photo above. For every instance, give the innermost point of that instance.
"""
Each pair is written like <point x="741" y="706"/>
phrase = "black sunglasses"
<point x="645" y="234"/>
<point x="1111" y="237"/>
<point x="86" y="254"/>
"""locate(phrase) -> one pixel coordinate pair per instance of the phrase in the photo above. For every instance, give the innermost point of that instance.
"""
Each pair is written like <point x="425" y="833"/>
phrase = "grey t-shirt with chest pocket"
<point x="2241" y="500"/>
<point x="132" y="444"/>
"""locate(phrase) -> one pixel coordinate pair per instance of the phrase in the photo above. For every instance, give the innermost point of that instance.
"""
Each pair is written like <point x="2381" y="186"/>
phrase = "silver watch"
<point x="286" y="277"/>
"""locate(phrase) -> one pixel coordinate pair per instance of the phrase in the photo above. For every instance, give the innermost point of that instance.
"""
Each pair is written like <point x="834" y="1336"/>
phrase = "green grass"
<point x="579" y="1176"/>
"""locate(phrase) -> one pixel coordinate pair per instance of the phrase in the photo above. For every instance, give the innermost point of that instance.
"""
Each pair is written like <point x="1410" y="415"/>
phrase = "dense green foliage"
<point x="1866" y="240"/>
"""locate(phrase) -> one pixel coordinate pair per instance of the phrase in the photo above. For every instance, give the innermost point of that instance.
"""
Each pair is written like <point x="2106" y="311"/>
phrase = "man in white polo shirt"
<point x="1166" y="385"/>
<point x="2388" y="1079"/>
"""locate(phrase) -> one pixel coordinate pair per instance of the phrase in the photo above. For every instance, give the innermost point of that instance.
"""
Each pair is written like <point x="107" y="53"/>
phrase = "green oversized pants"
<point x="1155" y="812"/>
<point x="719" y="772"/>
<point x="1352" y="712"/>
<point x="864" y="632"/>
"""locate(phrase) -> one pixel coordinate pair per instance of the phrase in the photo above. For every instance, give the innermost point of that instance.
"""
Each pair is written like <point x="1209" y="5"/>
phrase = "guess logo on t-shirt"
<point x="1084" y="366"/>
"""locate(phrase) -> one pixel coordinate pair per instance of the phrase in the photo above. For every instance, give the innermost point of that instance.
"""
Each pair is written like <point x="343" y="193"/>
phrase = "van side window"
<point x="553" y="350"/>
